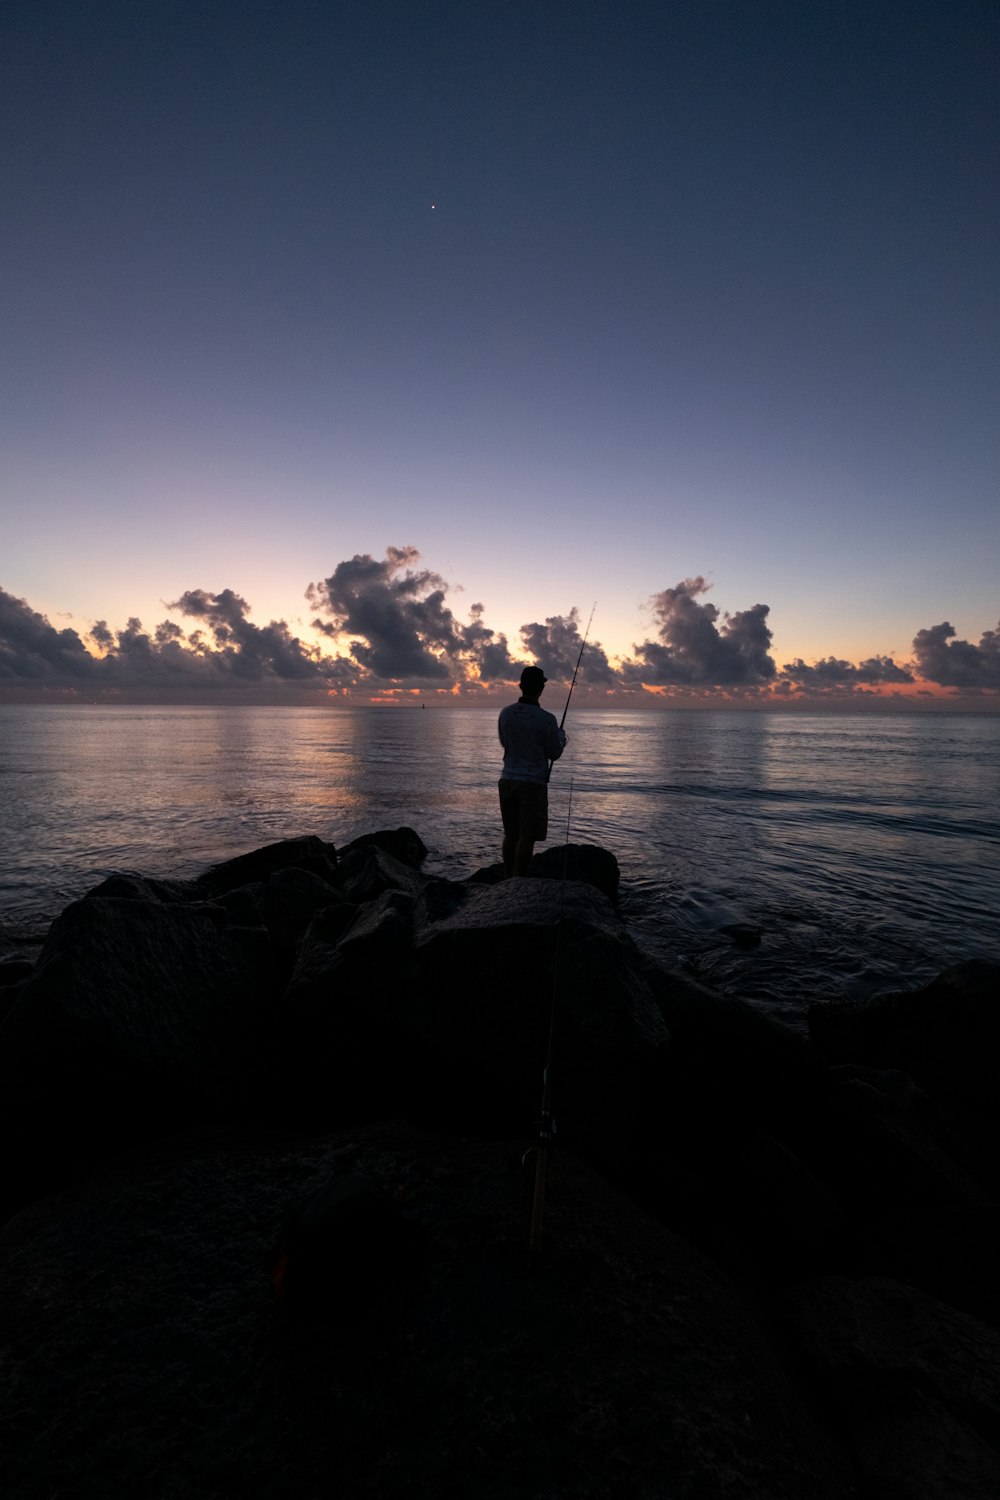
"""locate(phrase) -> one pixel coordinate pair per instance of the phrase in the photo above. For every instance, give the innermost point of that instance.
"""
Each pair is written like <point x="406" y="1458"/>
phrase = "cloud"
<point x="101" y="635"/>
<point x="487" y="650"/>
<point x="391" y="615"/>
<point x="941" y="658"/>
<point x="237" y="653"/>
<point x="399" y="627"/>
<point x="33" y="650"/>
<point x="695" y="651"/>
<point x="831" y="674"/>
<point x="249" y="651"/>
<point x="391" y="630"/>
<point x="555" y="647"/>
<point x="390" y="619"/>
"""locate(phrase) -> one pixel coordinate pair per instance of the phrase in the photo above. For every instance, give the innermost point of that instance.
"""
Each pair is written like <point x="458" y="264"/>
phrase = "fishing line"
<point x="583" y="647"/>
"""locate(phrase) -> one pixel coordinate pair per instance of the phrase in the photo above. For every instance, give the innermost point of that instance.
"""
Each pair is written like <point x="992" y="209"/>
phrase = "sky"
<point x="351" y="351"/>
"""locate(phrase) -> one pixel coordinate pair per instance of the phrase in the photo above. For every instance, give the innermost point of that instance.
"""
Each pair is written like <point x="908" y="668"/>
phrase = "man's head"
<point x="533" y="679"/>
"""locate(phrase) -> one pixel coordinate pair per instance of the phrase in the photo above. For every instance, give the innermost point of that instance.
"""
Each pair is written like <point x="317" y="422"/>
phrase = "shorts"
<point x="524" y="808"/>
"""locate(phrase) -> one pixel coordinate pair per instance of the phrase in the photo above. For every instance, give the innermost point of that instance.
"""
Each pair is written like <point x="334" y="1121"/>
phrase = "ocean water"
<point x="864" y="849"/>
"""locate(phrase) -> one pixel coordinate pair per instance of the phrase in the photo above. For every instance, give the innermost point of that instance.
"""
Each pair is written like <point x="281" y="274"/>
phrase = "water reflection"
<point x="858" y="845"/>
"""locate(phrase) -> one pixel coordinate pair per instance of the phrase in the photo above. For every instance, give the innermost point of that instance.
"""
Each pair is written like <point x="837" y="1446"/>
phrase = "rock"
<point x="882" y="1157"/>
<point x="488" y="973"/>
<point x="13" y="970"/>
<point x="946" y="1036"/>
<point x="869" y="1184"/>
<point x="139" y="1016"/>
<point x="308" y="853"/>
<point x="915" y="1384"/>
<point x="950" y="1254"/>
<point x="731" y="1062"/>
<point x="368" y="870"/>
<point x="402" y="843"/>
<point x="753" y="1207"/>
<point x="244" y="904"/>
<point x="132" y="887"/>
<point x="146" y="1352"/>
<point x="158" y="1004"/>
<point x="586" y="862"/>
<point x="348" y="1257"/>
<point x="900" y="1089"/>
<point x="441" y="1003"/>
<point x="908" y="1204"/>
<point x="289" y="901"/>
<point x="728" y="1151"/>
<point x="343" y="1054"/>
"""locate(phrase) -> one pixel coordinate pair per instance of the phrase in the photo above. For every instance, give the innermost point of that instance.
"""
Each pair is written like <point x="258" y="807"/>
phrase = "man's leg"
<point x="510" y="814"/>
<point x="523" y="850"/>
<point x="523" y="806"/>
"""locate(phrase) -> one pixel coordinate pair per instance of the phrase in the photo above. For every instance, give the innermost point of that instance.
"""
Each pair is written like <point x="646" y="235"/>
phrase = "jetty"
<point x="268" y="1183"/>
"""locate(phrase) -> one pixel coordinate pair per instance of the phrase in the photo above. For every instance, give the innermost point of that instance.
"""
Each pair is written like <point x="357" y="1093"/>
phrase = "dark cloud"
<point x="695" y="651"/>
<point x="487" y="650"/>
<point x="250" y="651"/>
<point x="101" y="635"/>
<point x="949" y="662"/>
<point x="390" y="614"/>
<point x="231" y="653"/>
<point x="399" y="627"/>
<point x="390" y="625"/>
<point x="33" y="650"/>
<point x="555" y="647"/>
<point x="832" y="674"/>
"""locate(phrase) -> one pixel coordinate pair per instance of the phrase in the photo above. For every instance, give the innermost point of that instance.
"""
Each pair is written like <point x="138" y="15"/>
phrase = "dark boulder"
<point x="308" y="853"/>
<point x="748" y="1202"/>
<point x="145" y="1351"/>
<point x="946" y="1036"/>
<point x="139" y="1016"/>
<point x="368" y="870"/>
<point x="880" y="1155"/>
<point x="912" y="1384"/>
<point x="910" y="1210"/>
<point x="244" y="904"/>
<point x="730" y="1063"/>
<point x="132" y="887"/>
<point x="488" y="974"/>
<point x="288" y="903"/>
<point x="349" y="1258"/>
<point x="585" y="862"/>
<point x="442" y="1001"/>
<point x="13" y="970"/>
<point x="869" y="1182"/>
<point x="402" y="843"/>
<point x="170" y="991"/>
<point x="343" y="1053"/>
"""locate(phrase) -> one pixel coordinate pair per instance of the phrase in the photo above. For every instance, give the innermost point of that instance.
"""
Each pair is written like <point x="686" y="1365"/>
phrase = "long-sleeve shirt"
<point x="531" y="738"/>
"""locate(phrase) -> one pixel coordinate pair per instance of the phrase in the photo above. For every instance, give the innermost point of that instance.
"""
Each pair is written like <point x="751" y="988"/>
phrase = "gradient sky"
<point x="580" y="300"/>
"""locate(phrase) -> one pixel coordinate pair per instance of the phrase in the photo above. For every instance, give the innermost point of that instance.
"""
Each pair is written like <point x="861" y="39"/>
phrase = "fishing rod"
<point x="583" y="647"/>
<point x="546" y="1122"/>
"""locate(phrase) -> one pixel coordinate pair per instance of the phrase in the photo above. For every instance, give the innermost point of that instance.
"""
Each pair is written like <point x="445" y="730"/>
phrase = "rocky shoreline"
<point x="267" y="1218"/>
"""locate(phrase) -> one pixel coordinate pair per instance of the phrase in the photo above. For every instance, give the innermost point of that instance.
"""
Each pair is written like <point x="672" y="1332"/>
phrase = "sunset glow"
<point x="597" y="327"/>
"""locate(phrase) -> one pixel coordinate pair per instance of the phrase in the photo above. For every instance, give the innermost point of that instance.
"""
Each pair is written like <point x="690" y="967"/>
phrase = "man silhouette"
<point x="531" y="740"/>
